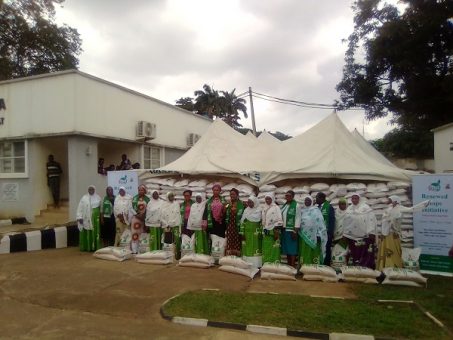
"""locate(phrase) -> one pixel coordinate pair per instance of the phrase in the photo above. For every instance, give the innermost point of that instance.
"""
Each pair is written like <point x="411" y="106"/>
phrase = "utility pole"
<point x="252" y="111"/>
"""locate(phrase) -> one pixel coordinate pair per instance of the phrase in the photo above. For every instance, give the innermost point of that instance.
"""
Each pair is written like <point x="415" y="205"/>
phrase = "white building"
<point x="79" y="118"/>
<point x="443" y="148"/>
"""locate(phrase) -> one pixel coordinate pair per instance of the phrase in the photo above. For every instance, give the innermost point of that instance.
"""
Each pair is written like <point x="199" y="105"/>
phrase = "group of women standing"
<point x="299" y="231"/>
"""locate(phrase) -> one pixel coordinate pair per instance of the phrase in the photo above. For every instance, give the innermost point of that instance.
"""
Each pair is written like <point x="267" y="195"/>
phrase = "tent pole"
<point x="252" y="111"/>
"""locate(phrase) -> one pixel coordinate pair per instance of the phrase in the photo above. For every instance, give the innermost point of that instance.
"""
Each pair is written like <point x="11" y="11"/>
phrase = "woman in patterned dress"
<point x="233" y="215"/>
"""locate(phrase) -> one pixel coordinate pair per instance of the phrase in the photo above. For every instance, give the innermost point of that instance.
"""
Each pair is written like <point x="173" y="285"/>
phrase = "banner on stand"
<point x="126" y="179"/>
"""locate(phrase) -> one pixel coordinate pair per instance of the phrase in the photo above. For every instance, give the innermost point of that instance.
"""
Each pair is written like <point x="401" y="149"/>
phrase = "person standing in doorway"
<point x="53" y="179"/>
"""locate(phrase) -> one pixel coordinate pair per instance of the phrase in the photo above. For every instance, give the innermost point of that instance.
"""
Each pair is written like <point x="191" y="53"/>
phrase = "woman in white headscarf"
<point x="195" y="222"/>
<point x="88" y="220"/>
<point x="312" y="234"/>
<point x="272" y="221"/>
<point x="251" y="232"/>
<point x="359" y="227"/>
<point x="121" y="209"/>
<point x="171" y="222"/>
<point x="153" y="222"/>
<point x="390" y="245"/>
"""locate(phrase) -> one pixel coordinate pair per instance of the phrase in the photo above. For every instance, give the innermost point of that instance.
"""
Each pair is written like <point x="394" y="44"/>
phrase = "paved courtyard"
<point x="64" y="293"/>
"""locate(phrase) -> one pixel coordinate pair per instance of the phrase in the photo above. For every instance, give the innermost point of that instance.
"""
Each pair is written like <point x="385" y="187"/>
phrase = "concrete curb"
<point x="59" y="237"/>
<point x="258" y="329"/>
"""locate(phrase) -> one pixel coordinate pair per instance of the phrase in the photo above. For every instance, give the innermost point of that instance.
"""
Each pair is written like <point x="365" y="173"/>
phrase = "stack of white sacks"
<point x="360" y="274"/>
<point x="236" y="265"/>
<point x="119" y="254"/>
<point x="155" y="257"/>
<point x="314" y="272"/>
<point x="403" y="277"/>
<point x="278" y="271"/>
<point x="196" y="261"/>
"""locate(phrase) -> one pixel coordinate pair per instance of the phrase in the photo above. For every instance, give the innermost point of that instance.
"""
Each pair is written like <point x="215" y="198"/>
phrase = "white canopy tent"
<point x="327" y="150"/>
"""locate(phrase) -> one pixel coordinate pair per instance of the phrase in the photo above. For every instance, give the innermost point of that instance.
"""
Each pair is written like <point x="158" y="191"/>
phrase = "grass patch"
<point x="364" y="315"/>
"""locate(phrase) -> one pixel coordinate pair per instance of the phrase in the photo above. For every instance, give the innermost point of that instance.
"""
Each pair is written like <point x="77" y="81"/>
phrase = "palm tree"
<point x="207" y="101"/>
<point x="230" y="107"/>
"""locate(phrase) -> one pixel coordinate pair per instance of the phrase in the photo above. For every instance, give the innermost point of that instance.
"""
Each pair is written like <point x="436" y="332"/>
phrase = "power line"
<point x="295" y="101"/>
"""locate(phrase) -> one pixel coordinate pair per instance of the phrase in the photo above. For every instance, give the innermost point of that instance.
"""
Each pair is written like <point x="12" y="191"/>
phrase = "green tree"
<point x="186" y="103"/>
<point x="401" y="63"/>
<point x="31" y="42"/>
<point x="207" y="101"/>
<point x="230" y="106"/>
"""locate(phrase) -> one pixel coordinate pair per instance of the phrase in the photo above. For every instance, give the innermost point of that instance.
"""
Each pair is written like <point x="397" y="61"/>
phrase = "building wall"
<point x="83" y="171"/>
<point x="443" y="154"/>
<point x="98" y="103"/>
<point x="172" y="155"/>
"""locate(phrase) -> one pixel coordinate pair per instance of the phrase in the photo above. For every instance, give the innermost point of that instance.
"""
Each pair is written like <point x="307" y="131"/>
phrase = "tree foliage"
<point x="401" y="63"/>
<point x="211" y="103"/>
<point x="31" y="42"/>
<point x="403" y="143"/>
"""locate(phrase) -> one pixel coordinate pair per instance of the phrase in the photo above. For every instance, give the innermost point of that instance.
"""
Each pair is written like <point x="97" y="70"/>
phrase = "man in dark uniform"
<point x="53" y="179"/>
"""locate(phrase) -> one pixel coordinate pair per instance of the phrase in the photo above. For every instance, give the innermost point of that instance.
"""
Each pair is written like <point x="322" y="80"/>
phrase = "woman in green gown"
<point x="312" y="234"/>
<point x="252" y="232"/>
<point x="88" y="220"/>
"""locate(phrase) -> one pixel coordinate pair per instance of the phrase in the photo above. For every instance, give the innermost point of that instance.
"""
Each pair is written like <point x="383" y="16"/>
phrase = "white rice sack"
<point x="211" y="184"/>
<point x="229" y="186"/>
<point x="217" y="247"/>
<point x="401" y="283"/>
<point x="357" y="271"/>
<point x="314" y="277"/>
<point x="144" y="243"/>
<point x="154" y="261"/>
<point x="198" y="183"/>
<point x="181" y="183"/>
<point x="106" y="250"/>
<point x="109" y="257"/>
<point x="402" y="274"/>
<point x="380" y="206"/>
<point x="251" y="272"/>
<point x="169" y="248"/>
<point x="155" y="255"/>
<point x="153" y="181"/>
<point x="302" y="189"/>
<point x="195" y="265"/>
<point x="371" y="187"/>
<point x="398" y="185"/>
<point x="360" y="192"/>
<point x="397" y="192"/>
<point x="372" y="201"/>
<point x="356" y="186"/>
<point x="125" y="239"/>
<point x="375" y="194"/>
<point x="382" y="187"/>
<point x="382" y="200"/>
<point x="280" y="201"/>
<point x="339" y="256"/>
<point x="267" y="187"/>
<point x="263" y="194"/>
<point x="275" y="276"/>
<point x="278" y="268"/>
<point x="168" y="182"/>
<point x="367" y="280"/>
<point x="411" y="258"/>
<point x="188" y="243"/>
<point x="335" y="201"/>
<point x="187" y="258"/>
<point x="202" y="258"/>
<point x="320" y="187"/>
<point x="246" y="188"/>
<point x="331" y="196"/>
<point x="152" y="187"/>
<point x="122" y="253"/>
<point x="283" y="189"/>
<point x="318" y="269"/>
<point x="234" y="261"/>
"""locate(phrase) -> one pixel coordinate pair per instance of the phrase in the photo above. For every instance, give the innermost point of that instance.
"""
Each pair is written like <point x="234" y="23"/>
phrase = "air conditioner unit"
<point x="192" y="138"/>
<point x="145" y="130"/>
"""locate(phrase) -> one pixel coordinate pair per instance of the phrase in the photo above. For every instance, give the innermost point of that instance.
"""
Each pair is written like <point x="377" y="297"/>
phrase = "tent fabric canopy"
<point x="327" y="150"/>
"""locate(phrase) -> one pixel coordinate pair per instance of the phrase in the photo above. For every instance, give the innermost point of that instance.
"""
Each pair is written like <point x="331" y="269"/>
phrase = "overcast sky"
<point x="167" y="49"/>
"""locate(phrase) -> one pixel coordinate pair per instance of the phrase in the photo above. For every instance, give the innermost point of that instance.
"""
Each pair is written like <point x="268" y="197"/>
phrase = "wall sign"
<point x="127" y="179"/>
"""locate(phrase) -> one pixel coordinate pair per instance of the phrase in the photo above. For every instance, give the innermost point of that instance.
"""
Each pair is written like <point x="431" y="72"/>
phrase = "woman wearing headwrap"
<point x="171" y="222"/>
<point x="272" y="222"/>
<point x="215" y="212"/>
<point x="340" y="214"/>
<point x="88" y="212"/>
<point x="359" y="227"/>
<point x="108" y="227"/>
<point x="291" y="222"/>
<point x="252" y="232"/>
<point x="312" y="234"/>
<point x="194" y="223"/>
<point x="233" y="215"/>
<point x="153" y="221"/>
<point x="139" y="203"/>
<point x="121" y="208"/>
<point x="185" y="212"/>
<point x="390" y="245"/>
